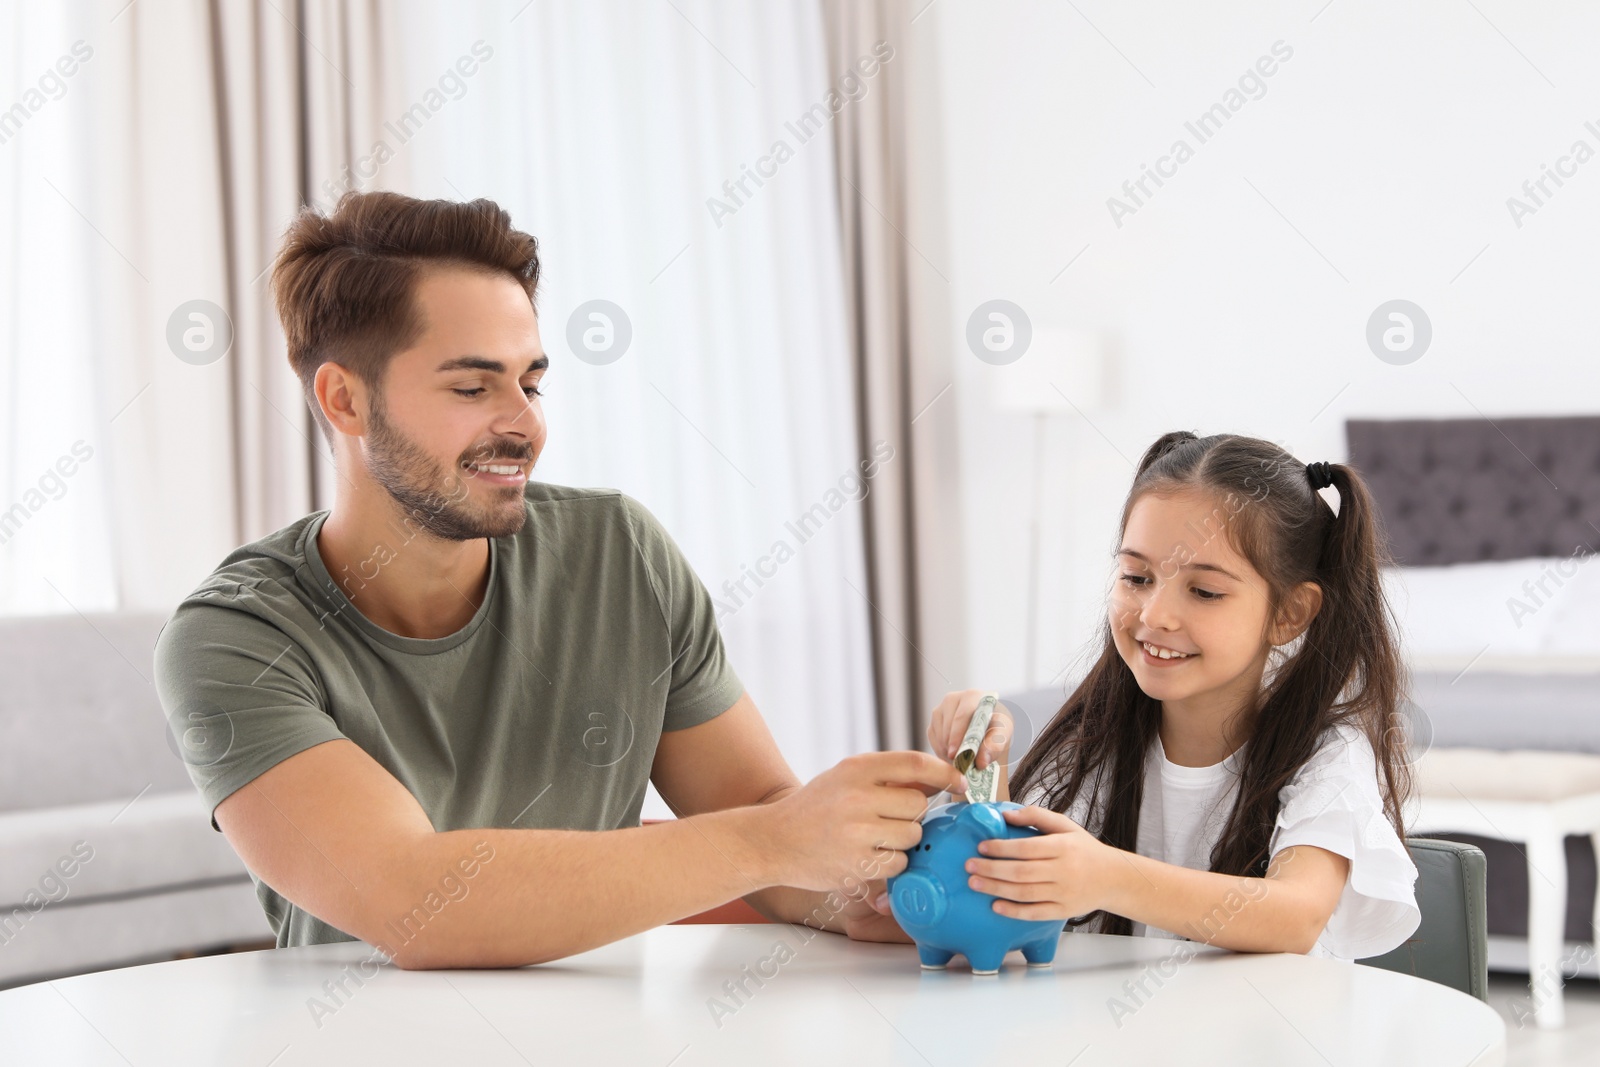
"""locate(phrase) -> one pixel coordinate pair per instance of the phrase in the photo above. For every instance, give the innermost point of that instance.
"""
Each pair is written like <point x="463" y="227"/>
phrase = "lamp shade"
<point x="1062" y="369"/>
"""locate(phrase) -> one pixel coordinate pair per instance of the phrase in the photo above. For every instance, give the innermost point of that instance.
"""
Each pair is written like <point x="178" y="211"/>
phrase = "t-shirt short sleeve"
<point x="1334" y="803"/>
<point x="239" y="694"/>
<point x="702" y="682"/>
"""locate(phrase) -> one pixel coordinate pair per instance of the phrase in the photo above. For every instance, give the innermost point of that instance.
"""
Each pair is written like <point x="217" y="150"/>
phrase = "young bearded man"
<point x="425" y="719"/>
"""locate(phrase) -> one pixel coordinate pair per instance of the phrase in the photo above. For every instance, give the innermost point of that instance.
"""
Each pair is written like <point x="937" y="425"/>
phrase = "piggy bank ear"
<point x="988" y="819"/>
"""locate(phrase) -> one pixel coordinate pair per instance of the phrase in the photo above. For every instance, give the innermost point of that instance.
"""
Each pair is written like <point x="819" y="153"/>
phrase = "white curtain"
<point x="898" y="309"/>
<point x="604" y="129"/>
<point x="81" y="283"/>
<point x="157" y="173"/>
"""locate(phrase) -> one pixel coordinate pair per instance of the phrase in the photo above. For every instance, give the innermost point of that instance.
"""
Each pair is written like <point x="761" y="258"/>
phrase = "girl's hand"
<point x="1060" y="874"/>
<point x="951" y="719"/>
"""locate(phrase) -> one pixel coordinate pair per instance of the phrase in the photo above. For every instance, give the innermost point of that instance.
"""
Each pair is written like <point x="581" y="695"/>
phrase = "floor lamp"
<point x="1061" y="373"/>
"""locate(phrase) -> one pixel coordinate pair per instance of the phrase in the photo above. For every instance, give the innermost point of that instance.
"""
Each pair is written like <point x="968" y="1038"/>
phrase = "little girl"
<point x="1232" y="768"/>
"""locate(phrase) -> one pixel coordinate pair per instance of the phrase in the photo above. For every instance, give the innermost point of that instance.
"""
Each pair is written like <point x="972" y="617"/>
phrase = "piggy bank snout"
<point x="919" y="899"/>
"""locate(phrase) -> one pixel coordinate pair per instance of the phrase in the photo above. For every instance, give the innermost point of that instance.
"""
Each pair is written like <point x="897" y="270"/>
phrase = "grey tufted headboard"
<point x="1472" y="490"/>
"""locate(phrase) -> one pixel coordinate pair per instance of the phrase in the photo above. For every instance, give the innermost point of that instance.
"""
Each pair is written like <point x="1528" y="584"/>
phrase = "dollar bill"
<point x="981" y="784"/>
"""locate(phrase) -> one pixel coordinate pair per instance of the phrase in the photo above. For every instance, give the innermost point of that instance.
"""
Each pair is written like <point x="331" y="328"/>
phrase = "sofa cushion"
<point x="80" y="720"/>
<point x="160" y="841"/>
<point x="93" y="935"/>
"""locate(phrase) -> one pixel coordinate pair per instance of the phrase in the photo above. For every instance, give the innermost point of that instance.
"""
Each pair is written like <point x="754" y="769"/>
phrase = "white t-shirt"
<point x="1333" y="802"/>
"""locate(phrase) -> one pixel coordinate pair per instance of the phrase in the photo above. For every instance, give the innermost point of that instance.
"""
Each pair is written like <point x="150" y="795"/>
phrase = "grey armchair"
<point x="1451" y="945"/>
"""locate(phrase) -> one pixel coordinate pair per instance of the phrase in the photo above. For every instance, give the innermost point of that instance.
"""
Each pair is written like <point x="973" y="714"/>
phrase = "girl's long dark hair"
<point x="1346" y="668"/>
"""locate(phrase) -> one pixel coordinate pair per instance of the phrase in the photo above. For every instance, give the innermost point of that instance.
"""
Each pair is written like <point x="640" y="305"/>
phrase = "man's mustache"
<point x="514" y="453"/>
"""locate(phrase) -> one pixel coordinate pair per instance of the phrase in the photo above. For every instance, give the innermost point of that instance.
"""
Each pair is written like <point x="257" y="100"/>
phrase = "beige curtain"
<point x="302" y="90"/>
<point x="897" y="298"/>
<point x="214" y="120"/>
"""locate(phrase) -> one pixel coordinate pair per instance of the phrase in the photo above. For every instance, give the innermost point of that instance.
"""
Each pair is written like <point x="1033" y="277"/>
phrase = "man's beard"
<point x="437" y="500"/>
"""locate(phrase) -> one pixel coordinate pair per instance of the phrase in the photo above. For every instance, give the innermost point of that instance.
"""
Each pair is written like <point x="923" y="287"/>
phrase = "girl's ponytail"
<point x="1347" y="670"/>
<point x="1350" y="571"/>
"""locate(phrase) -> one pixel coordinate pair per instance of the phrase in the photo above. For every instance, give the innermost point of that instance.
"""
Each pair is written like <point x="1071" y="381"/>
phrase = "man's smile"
<point x="498" y="474"/>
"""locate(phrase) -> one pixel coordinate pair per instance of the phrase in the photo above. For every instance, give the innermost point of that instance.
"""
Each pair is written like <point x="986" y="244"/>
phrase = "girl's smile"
<point x="1163" y="656"/>
<point x="1182" y="588"/>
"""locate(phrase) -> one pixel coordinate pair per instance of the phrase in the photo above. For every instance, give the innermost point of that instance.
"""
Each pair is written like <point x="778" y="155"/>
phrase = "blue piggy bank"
<point x="944" y="915"/>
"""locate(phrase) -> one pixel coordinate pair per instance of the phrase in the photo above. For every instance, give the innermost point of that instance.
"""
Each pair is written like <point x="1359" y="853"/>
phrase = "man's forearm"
<point x="808" y="907"/>
<point x="545" y="894"/>
<point x="831" y="909"/>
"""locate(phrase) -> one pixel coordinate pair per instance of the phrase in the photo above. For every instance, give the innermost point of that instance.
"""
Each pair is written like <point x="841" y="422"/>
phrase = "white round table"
<point x="685" y="995"/>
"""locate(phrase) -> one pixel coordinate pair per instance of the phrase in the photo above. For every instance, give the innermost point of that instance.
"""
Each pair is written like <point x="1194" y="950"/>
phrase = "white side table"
<point x="1535" y="799"/>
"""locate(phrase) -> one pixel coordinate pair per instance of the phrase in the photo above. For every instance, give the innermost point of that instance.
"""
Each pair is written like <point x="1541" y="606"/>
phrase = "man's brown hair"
<point x="344" y="282"/>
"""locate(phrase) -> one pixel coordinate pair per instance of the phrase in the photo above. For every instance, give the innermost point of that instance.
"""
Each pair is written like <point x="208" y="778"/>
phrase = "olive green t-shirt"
<point x="544" y="711"/>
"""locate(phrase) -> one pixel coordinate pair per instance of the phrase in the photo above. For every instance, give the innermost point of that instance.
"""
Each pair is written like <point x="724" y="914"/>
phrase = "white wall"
<point x="1389" y="142"/>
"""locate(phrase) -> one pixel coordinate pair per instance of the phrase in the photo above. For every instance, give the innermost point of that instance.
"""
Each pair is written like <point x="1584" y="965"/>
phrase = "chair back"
<point x="1450" y="946"/>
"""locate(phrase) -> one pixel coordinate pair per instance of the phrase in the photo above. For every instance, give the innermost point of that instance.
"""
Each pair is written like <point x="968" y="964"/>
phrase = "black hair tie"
<point x="1319" y="474"/>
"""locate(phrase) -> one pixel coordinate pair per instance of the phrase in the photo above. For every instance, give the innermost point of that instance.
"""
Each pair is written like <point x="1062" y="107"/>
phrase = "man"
<point x="426" y="718"/>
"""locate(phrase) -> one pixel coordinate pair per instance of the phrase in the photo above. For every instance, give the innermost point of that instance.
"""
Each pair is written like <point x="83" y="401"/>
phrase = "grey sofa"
<point x="107" y="856"/>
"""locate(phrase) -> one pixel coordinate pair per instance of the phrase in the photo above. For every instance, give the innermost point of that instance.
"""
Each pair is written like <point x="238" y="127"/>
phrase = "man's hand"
<point x="866" y="920"/>
<point x="854" y="821"/>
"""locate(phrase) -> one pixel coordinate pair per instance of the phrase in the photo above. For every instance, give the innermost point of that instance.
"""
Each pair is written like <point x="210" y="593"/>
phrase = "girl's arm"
<point x="1066" y="872"/>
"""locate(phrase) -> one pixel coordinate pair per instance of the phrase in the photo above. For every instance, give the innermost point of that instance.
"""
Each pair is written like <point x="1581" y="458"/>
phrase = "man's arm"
<point x="334" y="832"/>
<point x="732" y="761"/>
